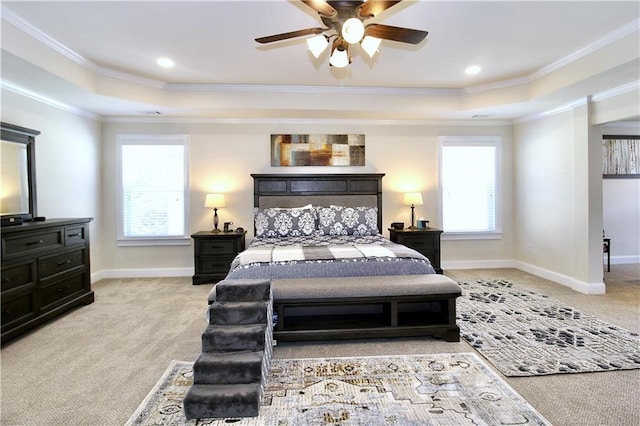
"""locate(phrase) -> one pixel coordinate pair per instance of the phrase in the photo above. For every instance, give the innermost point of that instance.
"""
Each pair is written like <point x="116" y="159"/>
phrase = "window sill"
<point x="454" y="236"/>
<point x="133" y="242"/>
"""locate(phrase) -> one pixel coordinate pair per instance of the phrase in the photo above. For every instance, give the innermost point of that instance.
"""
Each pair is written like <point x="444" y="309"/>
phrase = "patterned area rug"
<point x="443" y="389"/>
<point x="523" y="333"/>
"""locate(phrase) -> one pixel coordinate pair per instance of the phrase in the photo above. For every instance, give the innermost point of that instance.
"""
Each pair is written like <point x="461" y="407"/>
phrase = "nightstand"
<point x="213" y="253"/>
<point x="424" y="241"/>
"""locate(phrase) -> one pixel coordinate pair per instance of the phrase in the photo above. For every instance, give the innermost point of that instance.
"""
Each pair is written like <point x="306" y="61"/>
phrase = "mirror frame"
<point x="17" y="134"/>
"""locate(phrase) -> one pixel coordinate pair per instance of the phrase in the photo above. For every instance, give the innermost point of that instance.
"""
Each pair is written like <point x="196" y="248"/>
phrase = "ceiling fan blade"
<point x="322" y="7"/>
<point x="292" y="34"/>
<point x="374" y="7"/>
<point x="387" y="32"/>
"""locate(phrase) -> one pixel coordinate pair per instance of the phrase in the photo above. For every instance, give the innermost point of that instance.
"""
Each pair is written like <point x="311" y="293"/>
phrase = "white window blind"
<point x="153" y="190"/>
<point x="469" y="185"/>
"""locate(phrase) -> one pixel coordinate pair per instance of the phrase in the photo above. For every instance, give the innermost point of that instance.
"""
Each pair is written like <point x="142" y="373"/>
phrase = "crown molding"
<point x="610" y="38"/>
<point x="616" y="91"/>
<point x="28" y="28"/>
<point x="563" y="108"/>
<point x="497" y="85"/>
<point x="311" y="89"/>
<point x="108" y="72"/>
<point x="17" y="89"/>
<point x="45" y="39"/>
<point x="304" y="121"/>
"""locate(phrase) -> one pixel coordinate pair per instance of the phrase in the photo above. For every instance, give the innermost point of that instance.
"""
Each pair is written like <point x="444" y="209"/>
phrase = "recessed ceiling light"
<point x="165" y="62"/>
<point x="472" y="70"/>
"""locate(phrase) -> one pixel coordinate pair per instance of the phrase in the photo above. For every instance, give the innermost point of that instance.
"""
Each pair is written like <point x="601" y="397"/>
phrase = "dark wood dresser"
<point x="45" y="272"/>
<point x="425" y="241"/>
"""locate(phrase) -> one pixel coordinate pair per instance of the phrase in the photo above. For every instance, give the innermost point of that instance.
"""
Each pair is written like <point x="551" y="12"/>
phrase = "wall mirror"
<point x="17" y="173"/>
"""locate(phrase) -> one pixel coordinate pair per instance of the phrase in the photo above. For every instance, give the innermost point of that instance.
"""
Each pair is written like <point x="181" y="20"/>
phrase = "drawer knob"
<point x="64" y="262"/>
<point x="63" y="289"/>
<point x="35" y="242"/>
<point x="77" y="234"/>
<point x="7" y="312"/>
<point x="5" y="280"/>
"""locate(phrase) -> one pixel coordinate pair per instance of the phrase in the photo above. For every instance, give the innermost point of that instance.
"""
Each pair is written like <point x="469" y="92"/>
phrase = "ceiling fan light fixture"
<point x="317" y="44"/>
<point x="370" y="45"/>
<point x="352" y="30"/>
<point x="340" y="57"/>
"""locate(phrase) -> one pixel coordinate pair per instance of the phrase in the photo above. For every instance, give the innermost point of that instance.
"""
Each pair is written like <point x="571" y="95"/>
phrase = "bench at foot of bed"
<point x="365" y="307"/>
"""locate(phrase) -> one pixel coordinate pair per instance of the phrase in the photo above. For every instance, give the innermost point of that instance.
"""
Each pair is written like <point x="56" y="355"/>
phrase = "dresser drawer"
<point x="217" y="246"/>
<point x="17" y="307"/>
<point x="214" y="264"/>
<point x="18" y="245"/>
<point x="74" y="235"/>
<point x="55" y="264"/>
<point x="420" y="243"/>
<point x="17" y="275"/>
<point x="54" y="293"/>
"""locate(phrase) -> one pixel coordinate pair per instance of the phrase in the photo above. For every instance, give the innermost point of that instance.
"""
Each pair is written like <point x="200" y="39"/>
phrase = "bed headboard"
<point x="296" y="190"/>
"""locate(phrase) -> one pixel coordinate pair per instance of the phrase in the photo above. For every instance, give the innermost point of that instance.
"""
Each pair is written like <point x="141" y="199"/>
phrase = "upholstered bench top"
<point x="357" y="287"/>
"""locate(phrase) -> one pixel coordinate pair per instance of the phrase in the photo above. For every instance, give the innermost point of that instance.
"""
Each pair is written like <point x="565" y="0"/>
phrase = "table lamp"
<point x="412" y="199"/>
<point x="215" y="201"/>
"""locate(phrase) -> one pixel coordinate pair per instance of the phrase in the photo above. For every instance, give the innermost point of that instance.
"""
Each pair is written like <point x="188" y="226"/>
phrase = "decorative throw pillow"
<point x="281" y="222"/>
<point x="342" y="220"/>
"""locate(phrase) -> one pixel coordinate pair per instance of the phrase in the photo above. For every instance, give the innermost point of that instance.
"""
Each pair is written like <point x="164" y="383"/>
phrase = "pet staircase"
<point x="229" y="375"/>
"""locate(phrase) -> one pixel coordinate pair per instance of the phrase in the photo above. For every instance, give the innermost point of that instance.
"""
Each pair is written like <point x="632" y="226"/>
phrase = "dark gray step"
<point x="240" y="290"/>
<point x="216" y="368"/>
<point x="254" y="312"/>
<point x="220" y="401"/>
<point x="230" y="338"/>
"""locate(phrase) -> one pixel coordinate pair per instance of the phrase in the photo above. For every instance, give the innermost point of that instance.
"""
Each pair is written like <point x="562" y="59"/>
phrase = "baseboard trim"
<point x="579" y="286"/>
<point x="478" y="264"/>
<point x="623" y="260"/>
<point x="574" y="284"/>
<point x="142" y="273"/>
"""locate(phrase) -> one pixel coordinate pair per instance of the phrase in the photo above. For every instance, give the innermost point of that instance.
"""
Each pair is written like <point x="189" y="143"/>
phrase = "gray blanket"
<point x="322" y="257"/>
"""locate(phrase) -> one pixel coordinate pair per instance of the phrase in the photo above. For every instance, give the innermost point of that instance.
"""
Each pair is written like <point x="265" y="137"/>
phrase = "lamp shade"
<point x="352" y="30"/>
<point x="412" y="199"/>
<point x="317" y="44"/>
<point x="370" y="45"/>
<point x="339" y="58"/>
<point x="214" y="201"/>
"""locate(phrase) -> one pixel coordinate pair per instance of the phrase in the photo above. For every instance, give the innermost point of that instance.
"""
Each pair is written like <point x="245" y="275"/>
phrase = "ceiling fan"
<point x="344" y="21"/>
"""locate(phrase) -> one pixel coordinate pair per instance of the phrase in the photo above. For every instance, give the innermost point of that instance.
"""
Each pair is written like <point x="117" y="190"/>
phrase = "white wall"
<point x="554" y="200"/>
<point x="224" y="155"/>
<point x="68" y="171"/>
<point x="544" y="193"/>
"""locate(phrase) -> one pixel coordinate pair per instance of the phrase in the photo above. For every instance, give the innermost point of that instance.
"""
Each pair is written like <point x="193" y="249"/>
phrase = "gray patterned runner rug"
<point x="523" y="333"/>
<point x="440" y="389"/>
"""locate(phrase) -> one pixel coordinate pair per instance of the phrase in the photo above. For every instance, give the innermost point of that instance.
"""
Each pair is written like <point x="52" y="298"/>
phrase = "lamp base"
<point x="412" y="227"/>
<point x="215" y="229"/>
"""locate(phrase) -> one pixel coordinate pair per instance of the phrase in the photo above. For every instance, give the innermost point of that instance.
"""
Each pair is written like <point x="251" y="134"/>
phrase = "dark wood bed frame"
<point x="436" y="315"/>
<point x="293" y="190"/>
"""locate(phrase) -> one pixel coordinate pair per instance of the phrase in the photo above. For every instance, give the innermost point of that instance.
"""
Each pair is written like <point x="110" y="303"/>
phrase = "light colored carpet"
<point x="436" y="389"/>
<point x="72" y="371"/>
<point x="524" y="333"/>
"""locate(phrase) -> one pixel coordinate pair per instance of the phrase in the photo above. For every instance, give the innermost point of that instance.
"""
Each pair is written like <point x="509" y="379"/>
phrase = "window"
<point x="470" y="187"/>
<point x="153" y="189"/>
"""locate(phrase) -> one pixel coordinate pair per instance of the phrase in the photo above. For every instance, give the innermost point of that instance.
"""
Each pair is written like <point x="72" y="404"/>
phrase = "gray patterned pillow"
<point x="342" y="220"/>
<point x="281" y="222"/>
